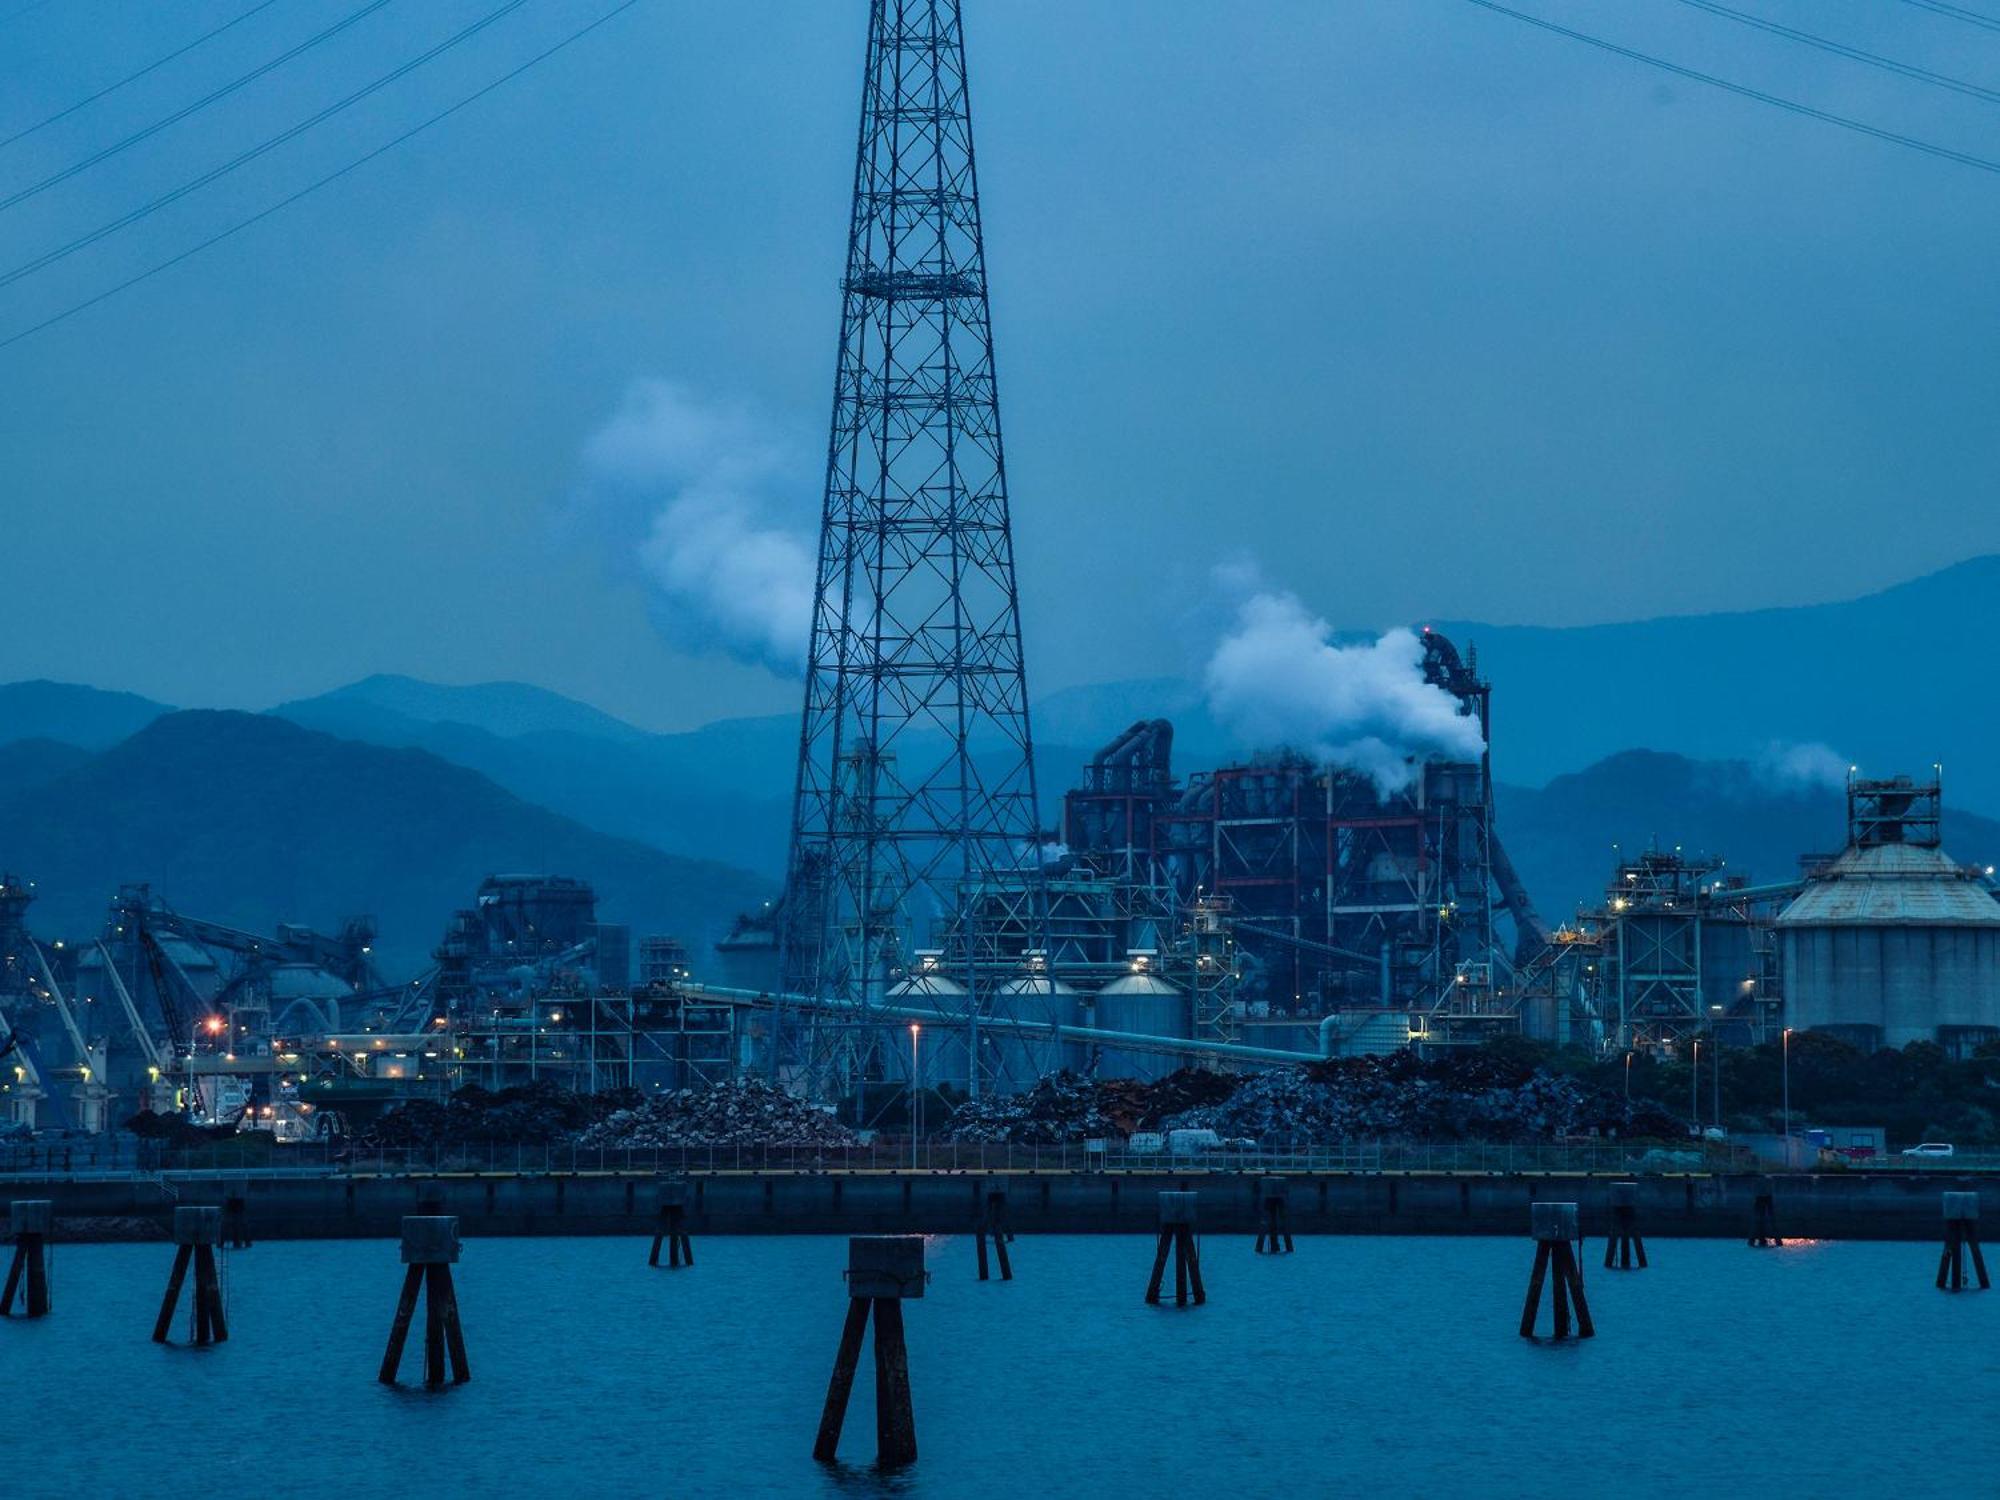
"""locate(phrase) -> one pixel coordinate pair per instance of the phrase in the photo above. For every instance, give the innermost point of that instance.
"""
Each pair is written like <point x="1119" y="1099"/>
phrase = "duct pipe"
<point x="1134" y="1041"/>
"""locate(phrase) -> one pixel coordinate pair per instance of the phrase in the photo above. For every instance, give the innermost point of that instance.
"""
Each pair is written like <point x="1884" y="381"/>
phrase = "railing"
<point x="256" y="1155"/>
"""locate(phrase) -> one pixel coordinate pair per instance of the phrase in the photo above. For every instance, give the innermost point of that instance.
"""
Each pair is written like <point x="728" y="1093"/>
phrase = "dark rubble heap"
<point x="749" y="1112"/>
<point x="529" y="1115"/>
<point x="1470" y="1097"/>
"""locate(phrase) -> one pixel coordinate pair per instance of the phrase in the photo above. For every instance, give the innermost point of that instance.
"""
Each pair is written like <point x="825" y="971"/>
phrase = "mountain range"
<point x="249" y="820"/>
<point x="684" y="829"/>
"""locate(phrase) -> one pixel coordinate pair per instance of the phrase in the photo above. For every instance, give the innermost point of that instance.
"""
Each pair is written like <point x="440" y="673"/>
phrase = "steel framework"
<point x="915" y="653"/>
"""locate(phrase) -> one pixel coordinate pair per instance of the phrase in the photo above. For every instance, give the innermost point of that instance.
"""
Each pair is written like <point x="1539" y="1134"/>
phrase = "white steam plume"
<point x="1278" y="679"/>
<point x="1811" y="766"/>
<point x="675" y="486"/>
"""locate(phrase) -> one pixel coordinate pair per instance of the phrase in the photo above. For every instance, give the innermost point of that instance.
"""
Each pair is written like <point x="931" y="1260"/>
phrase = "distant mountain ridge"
<point x="71" y="714"/>
<point x="251" y="820"/>
<point x="1562" y="836"/>
<point x="508" y="709"/>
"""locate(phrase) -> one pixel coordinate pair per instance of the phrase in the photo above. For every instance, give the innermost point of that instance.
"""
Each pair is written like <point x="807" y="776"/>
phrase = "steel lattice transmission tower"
<point x="915" y="656"/>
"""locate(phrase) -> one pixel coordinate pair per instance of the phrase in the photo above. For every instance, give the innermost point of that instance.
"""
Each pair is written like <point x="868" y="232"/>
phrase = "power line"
<point x="84" y="103"/>
<point x="1929" y="148"/>
<point x="1841" y="49"/>
<point x="310" y="188"/>
<point x="242" y="158"/>
<point x="1956" y="12"/>
<point x="200" y="104"/>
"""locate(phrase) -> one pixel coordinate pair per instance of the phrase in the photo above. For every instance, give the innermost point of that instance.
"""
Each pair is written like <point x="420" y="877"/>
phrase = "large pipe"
<point x="1134" y="1041"/>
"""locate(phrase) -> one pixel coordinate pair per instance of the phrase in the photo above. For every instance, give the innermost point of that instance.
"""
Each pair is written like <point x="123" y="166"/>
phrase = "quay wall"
<point x="1857" y="1205"/>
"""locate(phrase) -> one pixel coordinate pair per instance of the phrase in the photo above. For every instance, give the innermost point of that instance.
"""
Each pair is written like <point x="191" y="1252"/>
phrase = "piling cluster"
<point x="672" y="1230"/>
<point x="1177" y="1221"/>
<point x="197" y="1239"/>
<point x="30" y="1222"/>
<point x="1555" y="1230"/>
<point x="1961" y="1234"/>
<point x="430" y="1250"/>
<point x="882" y="1271"/>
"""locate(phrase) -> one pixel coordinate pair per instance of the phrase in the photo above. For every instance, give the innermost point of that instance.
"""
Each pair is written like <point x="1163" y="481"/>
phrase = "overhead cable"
<point x="263" y="147"/>
<point x="1845" y="122"/>
<point x="312" y="187"/>
<point x="1857" y="54"/>
<point x="1957" y="13"/>
<point x="156" y="64"/>
<point x="200" y="104"/>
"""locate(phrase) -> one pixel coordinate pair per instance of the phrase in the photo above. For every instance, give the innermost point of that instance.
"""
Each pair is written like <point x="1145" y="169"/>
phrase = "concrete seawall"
<point x="1833" y="1206"/>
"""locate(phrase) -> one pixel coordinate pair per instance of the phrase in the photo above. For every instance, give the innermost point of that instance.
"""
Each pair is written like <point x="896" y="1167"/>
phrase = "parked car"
<point x="1930" y="1148"/>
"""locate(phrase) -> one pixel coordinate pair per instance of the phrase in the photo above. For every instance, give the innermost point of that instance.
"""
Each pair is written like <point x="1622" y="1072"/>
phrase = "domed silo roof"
<point x="1896" y="885"/>
<point x="1894" y="941"/>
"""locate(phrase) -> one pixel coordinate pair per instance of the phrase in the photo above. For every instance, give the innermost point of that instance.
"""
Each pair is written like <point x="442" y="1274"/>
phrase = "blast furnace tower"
<point x="915" y="657"/>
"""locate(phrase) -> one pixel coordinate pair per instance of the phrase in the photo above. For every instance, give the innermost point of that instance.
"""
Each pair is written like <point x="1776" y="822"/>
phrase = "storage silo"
<point x="1141" y="1000"/>
<point x="1038" y="999"/>
<point x="1894" y="941"/>
<point x="939" y="1047"/>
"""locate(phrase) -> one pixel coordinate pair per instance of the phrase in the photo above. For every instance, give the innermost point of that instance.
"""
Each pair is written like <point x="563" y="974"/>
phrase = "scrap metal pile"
<point x="1399" y="1097"/>
<point x="749" y="1112"/>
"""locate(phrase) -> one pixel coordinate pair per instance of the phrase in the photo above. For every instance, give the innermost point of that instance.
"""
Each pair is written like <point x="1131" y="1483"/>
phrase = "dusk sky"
<point x="1423" y="310"/>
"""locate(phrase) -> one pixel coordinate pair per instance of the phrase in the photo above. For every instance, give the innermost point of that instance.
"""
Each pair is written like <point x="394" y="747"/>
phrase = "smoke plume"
<point x="676" y="487"/>
<point x="1277" y="678"/>
<point x="1812" y="766"/>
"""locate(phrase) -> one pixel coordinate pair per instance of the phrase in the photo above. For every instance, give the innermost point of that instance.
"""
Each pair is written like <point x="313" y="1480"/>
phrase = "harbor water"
<point x="1357" y="1365"/>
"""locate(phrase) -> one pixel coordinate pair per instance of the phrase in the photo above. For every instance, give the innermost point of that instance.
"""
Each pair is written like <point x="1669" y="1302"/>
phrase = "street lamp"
<point x="916" y="1100"/>
<point x="1628" y="1078"/>
<point x="1694" y="1087"/>
<point x="1785" y="1046"/>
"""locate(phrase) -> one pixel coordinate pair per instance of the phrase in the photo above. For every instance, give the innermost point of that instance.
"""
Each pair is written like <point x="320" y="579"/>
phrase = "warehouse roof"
<point x="1903" y="885"/>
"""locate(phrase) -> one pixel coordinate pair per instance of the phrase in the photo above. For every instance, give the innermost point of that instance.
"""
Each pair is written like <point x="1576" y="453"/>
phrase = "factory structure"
<point x="1241" y="916"/>
<point x="938" y="924"/>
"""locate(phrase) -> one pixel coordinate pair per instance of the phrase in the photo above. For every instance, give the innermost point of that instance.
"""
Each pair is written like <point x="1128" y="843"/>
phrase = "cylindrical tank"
<point x="1036" y="1001"/>
<point x="1894" y="943"/>
<point x="939" y="1049"/>
<point x="1144" y="1002"/>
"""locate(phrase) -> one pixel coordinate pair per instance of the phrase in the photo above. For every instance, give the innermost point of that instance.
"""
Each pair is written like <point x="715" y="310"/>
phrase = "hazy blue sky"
<point x="1429" y="312"/>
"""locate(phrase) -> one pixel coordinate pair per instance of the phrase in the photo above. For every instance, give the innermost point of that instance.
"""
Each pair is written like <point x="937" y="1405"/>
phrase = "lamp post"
<point x="1694" y="1087"/>
<point x="1785" y="1047"/>
<point x="1628" y="1078"/>
<point x="916" y="1099"/>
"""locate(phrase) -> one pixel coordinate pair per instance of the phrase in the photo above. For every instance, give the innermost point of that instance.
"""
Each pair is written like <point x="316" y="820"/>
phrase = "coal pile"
<point x="749" y="1112"/>
<point x="531" y="1115"/>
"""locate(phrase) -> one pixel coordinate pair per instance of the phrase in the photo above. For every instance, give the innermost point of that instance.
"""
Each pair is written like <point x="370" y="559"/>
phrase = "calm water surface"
<point x="1356" y="1365"/>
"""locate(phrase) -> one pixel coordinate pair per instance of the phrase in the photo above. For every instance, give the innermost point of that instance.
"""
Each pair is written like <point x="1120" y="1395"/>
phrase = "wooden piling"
<point x="430" y="1250"/>
<point x="1274" y="1217"/>
<point x="1764" y="1216"/>
<point x="1177" y="1238"/>
<point x="672" y="1228"/>
<point x="236" y="1213"/>
<point x="992" y="1222"/>
<point x="882" y="1270"/>
<point x="197" y="1234"/>
<point x="30" y="1222"/>
<point x="1961" y="1233"/>
<point x="1624" y="1242"/>
<point x="1554" y="1226"/>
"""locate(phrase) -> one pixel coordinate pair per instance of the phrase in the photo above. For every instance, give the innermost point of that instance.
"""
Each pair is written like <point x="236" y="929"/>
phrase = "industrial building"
<point x="1893" y="941"/>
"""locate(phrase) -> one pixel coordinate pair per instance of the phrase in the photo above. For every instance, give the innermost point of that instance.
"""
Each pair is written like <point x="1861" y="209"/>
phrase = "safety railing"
<point x="260" y="1156"/>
